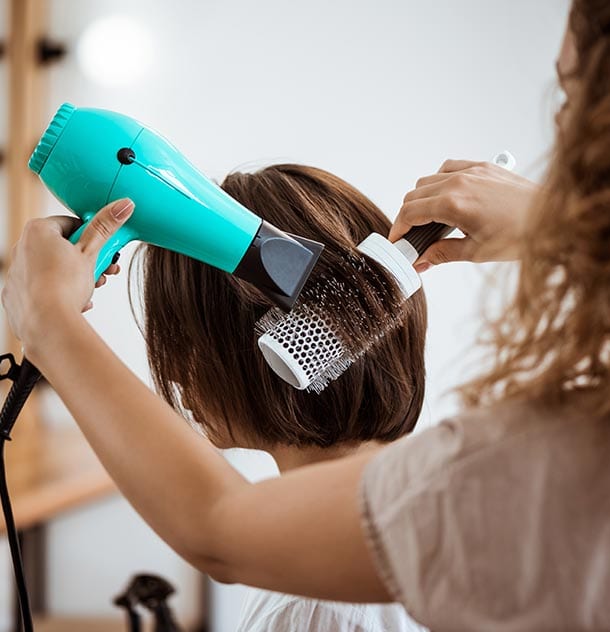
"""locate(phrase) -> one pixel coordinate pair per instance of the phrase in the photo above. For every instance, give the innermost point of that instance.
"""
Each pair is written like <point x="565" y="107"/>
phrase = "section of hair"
<point x="337" y="319"/>
<point x="555" y="337"/>
<point x="199" y="325"/>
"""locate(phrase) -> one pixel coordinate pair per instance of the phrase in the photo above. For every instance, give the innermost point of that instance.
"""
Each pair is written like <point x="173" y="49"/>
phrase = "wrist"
<point x="44" y="332"/>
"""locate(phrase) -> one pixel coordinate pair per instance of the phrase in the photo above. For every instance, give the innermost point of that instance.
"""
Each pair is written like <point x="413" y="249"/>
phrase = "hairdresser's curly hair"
<point x="555" y="336"/>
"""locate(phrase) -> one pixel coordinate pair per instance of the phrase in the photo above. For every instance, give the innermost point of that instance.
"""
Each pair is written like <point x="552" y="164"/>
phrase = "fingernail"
<point x="122" y="208"/>
<point x="422" y="266"/>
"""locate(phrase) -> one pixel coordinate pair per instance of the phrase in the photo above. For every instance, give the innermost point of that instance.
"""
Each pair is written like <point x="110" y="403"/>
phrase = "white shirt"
<point x="265" y="611"/>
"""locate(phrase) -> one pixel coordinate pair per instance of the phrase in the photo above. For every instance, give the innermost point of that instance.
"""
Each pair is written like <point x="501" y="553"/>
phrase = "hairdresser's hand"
<point x="486" y="202"/>
<point x="49" y="279"/>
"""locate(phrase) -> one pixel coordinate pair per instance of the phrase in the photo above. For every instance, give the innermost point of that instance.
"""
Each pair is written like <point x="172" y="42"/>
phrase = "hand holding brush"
<point x="461" y="194"/>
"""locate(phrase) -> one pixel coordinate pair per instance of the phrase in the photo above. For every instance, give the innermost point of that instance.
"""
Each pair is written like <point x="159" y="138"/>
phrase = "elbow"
<point x="205" y="545"/>
<point x="208" y="558"/>
<point x="221" y="573"/>
<point x="218" y="570"/>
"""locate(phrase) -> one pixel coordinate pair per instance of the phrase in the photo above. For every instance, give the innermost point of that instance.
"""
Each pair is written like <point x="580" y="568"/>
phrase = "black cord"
<point x="13" y="539"/>
<point x="24" y="379"/>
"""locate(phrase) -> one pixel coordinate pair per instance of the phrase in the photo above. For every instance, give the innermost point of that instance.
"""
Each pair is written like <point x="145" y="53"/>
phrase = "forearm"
<point x="300" y="533"/>
<point x="171" y="475"/>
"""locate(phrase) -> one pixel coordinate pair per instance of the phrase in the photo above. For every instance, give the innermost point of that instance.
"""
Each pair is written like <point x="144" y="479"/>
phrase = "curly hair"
<point x="554" y="337"/>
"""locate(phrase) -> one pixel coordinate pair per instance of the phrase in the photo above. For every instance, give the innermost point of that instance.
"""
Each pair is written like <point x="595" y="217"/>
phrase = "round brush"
<point x="304" y="346"/>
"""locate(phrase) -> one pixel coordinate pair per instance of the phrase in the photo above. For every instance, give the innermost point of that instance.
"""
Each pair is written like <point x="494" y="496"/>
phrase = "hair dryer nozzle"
<point x="279" y="264"/>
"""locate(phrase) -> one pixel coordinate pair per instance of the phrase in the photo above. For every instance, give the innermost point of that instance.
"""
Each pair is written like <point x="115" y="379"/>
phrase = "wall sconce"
<point x="50" y="51"/>
<point x="115" y="51"/>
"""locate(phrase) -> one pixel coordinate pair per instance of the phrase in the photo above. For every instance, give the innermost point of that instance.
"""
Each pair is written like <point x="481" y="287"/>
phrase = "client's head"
<point x="199" y="327"/>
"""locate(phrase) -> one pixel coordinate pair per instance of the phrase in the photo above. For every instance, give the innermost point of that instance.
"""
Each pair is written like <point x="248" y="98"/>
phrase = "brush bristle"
<point x="336" y="321"/>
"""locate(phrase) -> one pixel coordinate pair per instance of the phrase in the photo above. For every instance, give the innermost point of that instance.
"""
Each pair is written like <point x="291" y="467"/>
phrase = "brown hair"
<point x="555" y="336"/>
<point x="199" y="325"/>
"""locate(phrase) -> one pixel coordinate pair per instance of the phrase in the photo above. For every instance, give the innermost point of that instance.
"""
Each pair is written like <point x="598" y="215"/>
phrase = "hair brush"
<point x="304" y="346"/>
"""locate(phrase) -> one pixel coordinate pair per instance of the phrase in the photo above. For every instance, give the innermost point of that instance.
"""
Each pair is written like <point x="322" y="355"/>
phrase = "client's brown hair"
<point x="199" y="329"/>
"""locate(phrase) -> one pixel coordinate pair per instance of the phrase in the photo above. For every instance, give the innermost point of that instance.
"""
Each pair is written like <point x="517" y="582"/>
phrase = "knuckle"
<point x="30" y="232"/>
<point x="483" y="168"/>
<point x="102" y="227"/>
<point x="441" y="256"/>
<point x="33" y="228"/>
<point x="460" y="180"/>
<point x="409" y="197"/>
<point x="30" y="227"/>
<point x="397" y="223"/>
<point x="454" y="202"/>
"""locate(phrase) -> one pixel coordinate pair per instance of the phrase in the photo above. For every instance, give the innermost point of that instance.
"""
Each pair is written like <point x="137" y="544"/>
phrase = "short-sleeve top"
<point x="498" y="519"/>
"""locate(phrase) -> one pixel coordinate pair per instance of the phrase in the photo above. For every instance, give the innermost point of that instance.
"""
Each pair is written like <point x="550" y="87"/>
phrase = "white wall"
<point x="379" y="92"/>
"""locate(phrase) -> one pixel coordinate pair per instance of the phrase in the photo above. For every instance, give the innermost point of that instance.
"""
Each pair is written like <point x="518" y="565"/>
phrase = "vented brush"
<point x="304" y="346"/>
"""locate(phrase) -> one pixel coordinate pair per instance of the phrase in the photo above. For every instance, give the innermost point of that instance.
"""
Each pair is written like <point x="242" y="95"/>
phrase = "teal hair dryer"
<point x="89" y="157"/>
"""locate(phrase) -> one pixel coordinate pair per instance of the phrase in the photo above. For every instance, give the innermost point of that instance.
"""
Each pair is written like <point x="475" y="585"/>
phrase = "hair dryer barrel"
<point x="89" y="157"/>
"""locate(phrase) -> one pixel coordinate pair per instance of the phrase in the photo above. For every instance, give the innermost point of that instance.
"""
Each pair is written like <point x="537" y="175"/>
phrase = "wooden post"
<point x="26" y="23"/>
<point x="25" y="111"/>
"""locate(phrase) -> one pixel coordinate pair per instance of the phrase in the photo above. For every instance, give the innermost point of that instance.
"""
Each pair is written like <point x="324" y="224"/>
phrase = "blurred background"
<point x="379" y="92"/>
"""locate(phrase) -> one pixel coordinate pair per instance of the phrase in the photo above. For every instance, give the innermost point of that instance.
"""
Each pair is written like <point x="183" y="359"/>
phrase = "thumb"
<point x="445" y="251"/>
<point x="104" y="224"/>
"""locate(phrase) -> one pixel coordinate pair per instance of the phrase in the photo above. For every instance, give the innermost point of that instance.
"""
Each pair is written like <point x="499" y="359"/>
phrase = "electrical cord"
<point x="149" y="590"/>
<point x="24" y="379"/>
<point x="13" y="539"/>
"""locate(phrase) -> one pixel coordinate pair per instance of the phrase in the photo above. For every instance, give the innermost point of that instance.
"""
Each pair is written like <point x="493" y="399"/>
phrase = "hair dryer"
<point x="88" y="157"/>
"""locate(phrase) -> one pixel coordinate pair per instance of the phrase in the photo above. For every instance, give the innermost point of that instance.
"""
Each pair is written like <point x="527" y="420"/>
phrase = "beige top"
<point x="496" y="520"/>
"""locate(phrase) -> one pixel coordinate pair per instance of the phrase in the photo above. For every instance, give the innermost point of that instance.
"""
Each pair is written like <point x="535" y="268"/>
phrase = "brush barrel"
<point x="283" y="363"/>
<point x="300" y="346"/>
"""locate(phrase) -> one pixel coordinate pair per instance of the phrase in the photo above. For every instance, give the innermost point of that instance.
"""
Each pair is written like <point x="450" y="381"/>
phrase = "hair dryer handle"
<point x="115" y="242"/>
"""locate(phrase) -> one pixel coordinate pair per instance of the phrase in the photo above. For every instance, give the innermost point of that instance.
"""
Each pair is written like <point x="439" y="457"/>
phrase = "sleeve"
<point x="456" y="518"/>
<point x="403" y="500"/>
